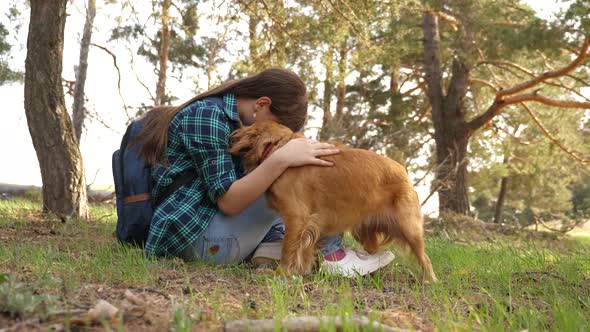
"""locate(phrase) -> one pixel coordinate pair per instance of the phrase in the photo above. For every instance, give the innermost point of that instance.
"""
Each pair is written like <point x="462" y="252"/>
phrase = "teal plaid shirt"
<point x="198" y="141"/>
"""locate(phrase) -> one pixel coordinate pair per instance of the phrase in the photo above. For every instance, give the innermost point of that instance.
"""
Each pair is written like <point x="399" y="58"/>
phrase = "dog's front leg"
<point x="301" y="236"/>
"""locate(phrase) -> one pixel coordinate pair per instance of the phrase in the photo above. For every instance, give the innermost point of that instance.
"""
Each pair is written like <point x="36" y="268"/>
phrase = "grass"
<point x="500" y="283"/>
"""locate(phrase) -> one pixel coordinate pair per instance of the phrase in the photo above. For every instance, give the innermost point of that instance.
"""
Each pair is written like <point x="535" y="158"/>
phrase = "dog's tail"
<point x="409" y="232"/>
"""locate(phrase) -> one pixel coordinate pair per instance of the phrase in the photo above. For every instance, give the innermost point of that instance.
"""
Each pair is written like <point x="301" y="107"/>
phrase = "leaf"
<point x="3" y="278"/>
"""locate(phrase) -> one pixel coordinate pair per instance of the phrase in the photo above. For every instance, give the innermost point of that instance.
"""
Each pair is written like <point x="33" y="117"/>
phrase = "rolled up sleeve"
<point x="206" y="135"/>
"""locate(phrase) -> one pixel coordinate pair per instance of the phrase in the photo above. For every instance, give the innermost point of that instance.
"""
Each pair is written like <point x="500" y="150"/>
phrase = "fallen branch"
<point x="150" y="290"/>
<point x="307" y="324"/>
<point x="563" y="230"/>
<point x="36" y="321"/>
<point x="20" y="326"/>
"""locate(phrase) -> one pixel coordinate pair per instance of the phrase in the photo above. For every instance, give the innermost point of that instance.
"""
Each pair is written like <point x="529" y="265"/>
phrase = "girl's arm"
<point x="243" y="192"/>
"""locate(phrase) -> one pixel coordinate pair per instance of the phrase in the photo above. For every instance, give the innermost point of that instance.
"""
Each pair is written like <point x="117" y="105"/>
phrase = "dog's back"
<point x="360" y="182"/>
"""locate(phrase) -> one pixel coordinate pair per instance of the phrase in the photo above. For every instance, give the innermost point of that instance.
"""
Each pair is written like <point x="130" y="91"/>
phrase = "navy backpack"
<point x="133" y="186"/>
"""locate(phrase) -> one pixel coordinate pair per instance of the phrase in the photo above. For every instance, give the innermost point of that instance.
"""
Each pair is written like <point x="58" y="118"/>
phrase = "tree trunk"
<point x="60" y="161"/>
<point x="212" y="56"/>
<point x="448" y="116"/>
<point x="79" y="111"/>
<point x="253" y="43"/>
<point x="451" y="175"/>
<point x="163" y="54"/>
<point x="394" y="94"/>
<point x="327" y="99"/>
<point x="342" y="69"/>
<point x="498" y="218"/>
<point x="279" y="49"/>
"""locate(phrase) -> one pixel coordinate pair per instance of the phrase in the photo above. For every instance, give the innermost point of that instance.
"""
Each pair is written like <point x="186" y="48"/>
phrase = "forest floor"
<point x="492" y="277"/>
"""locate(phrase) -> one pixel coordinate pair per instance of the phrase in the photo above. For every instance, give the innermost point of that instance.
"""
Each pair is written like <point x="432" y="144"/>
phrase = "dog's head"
<point x="251" y="142"/>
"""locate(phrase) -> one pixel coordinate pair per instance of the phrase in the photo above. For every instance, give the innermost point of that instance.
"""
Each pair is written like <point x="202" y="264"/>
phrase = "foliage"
<point x="501" y="44"/>
<point x="6" y="74"/>
<point x="363" y="65"/>
<point x="540" y="175"/>
<point x="188" y="50"/>
<point x="581" y="195"/>
<point x="361" y="59"/>
<point x="19" y="299"/>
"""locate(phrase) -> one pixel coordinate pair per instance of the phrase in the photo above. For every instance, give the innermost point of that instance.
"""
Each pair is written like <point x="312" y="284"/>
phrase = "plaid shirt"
<point x="198" y="140"/>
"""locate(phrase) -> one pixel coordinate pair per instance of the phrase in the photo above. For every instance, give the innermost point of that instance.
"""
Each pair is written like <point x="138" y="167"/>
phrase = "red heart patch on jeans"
<point x="214" y="249"/>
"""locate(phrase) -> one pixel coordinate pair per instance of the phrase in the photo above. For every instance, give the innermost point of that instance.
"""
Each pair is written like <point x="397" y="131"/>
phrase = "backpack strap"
<point x="136" y="198"/>
<point x="179" y="181"/>
<point x="123" y="147"/>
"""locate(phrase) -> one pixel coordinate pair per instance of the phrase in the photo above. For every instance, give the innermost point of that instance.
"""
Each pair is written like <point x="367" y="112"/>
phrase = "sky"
<point x="19" y="163"/>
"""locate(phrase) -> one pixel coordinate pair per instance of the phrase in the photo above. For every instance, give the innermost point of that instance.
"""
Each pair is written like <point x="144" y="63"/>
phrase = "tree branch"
<point x="547" y="101"/>
<point x="553" y="139"/>
<point x="532" y="97"/>
<point x="547" y="75"/>
<point x="506" y="64"/>
<point x="502" y="64"/>
<point x="484" y="82"/>
<point x="125" y="107"/>
<point x="295" y="41"/>
<point x="421" y="85"/>
<point x="502" y="98"/>
<point x="137" y="76"/>
<point x="352" y="25"/>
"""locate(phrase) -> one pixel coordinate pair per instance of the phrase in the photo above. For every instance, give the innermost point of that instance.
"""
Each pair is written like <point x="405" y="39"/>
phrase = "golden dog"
<point x="365" y="193"/>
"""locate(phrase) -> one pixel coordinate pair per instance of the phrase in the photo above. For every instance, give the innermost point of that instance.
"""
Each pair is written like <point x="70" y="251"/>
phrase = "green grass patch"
<point x="508" y="285"/>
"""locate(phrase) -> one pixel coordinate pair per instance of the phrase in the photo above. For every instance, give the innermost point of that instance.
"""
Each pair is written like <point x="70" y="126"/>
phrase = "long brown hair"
<point x="285" y="89"/>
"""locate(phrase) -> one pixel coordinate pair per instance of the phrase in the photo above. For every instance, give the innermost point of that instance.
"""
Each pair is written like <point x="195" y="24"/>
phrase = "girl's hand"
<point x="302" y="151"/>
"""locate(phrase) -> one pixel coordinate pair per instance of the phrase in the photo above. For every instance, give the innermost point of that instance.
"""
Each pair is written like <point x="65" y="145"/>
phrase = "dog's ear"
<point x="272" y="133"/>
<point x="243" y="140"/>
<point x="249" y="142"/>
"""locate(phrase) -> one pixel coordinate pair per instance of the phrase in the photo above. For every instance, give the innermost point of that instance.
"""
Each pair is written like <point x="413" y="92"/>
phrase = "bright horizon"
<point x="20" y="165"/>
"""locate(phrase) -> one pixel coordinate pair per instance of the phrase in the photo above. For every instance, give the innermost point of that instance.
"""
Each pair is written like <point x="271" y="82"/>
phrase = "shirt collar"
<point x="231" y="107"/>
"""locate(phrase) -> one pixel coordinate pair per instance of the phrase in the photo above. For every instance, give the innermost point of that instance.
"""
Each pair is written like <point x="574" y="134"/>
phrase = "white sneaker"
<point x="268" y="254"/>
<point x="357" y="263"/>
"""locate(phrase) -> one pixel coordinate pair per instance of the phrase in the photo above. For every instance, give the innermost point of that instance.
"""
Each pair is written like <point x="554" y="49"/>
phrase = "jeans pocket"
<point x="220" y="250"/>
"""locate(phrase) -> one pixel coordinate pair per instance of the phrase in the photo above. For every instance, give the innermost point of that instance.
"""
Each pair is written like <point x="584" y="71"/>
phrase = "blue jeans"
<point x="229" y="240"/>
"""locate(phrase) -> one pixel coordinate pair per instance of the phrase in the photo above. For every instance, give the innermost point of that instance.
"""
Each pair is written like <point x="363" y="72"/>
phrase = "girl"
<point x="221" y="215"/>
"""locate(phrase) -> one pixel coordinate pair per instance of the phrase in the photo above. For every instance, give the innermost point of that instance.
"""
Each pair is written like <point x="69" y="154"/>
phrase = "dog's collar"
<point x="267" y="149"/>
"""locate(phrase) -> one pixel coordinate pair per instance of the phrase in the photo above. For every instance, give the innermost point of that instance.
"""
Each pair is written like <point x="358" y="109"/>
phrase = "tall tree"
<point x="163" y="52"/>
<point x="62" y="171"/>
<point x="449" y="67"/>
<point x="171" y="46"/>
<point x="78" y="110"/>
<point x="270" y="36"/>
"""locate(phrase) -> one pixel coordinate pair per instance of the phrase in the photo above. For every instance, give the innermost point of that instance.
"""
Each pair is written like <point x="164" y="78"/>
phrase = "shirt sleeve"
<point x="206" y="135"/>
